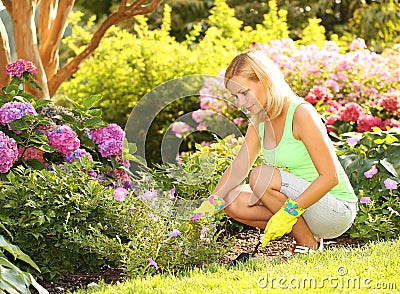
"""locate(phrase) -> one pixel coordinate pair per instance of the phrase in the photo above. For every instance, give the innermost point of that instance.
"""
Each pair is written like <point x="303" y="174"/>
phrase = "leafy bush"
<point x="372" y="162"/>
<point x="77" y="210"/>
<point x="12" y="279"/>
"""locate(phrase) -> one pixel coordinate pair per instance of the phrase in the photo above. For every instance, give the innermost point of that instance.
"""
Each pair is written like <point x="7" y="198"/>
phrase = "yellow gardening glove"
<point x="283" y="221"/>
<point x="210" y="206"/>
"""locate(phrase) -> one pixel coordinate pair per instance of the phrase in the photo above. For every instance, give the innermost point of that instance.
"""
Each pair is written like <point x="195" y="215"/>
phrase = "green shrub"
<point x="12" y="279"/>
<point x="370" y="159"/>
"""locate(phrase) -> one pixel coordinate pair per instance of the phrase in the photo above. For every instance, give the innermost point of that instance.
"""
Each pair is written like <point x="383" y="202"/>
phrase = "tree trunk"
<point x="23" y="16"/>
<point x="54" y="16"/>
<point x="4" y="55"/>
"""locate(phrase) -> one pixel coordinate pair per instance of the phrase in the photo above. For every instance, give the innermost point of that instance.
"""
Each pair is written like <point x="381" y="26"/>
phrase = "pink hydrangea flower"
<point x="112" y="131"/>
<point x="351" y="112"/>
<point x="8" y="152"/>
<point x="318" y="93"/>
<point x="11" y="111"/>
<point x="111" y="147"/>
<point x="390" y="184"/>
<point x="32" y="153"/>
<point x="365" y="123"/>
<point x="330" y="121"/>
<point x="64" y="140"/>
<point x="20" y="66"/>
<point x="390" y="101"/>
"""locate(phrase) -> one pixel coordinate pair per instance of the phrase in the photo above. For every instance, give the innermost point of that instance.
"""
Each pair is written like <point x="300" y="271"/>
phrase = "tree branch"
<point x="47" y="14"/>
<point x="4" y="55"/>
<point x="8" y="5"/>
<point x="26" y="42"/>
<point x="121" y="14"/>
<point x="49" y="49"/>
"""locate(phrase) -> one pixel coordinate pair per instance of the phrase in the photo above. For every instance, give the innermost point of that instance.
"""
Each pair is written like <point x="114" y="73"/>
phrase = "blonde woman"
<point x="302" y="189"/>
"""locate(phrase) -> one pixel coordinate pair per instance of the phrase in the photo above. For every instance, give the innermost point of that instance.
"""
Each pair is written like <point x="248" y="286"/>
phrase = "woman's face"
<point x="250" y="95"/>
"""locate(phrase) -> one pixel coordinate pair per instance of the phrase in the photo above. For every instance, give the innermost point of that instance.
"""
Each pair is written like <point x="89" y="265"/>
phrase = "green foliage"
<point x="314" y="33"/>
<point x="41" y="207"/>
<point x="198" y="172"/>
<point x="13" y="279"/>
<point x="378" y="217"/>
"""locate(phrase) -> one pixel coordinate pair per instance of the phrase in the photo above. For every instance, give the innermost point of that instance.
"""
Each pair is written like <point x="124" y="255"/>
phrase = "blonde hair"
<point x="254" y="65"/>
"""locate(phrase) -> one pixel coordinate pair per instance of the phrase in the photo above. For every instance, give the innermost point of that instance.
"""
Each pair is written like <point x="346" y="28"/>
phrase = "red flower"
<point x="366" y="122"/>
<point x="351" y="112"/>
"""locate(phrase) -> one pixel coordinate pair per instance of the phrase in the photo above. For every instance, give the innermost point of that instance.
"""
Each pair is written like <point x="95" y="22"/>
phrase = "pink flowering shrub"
<point x="8" y="152"/>
<point x="353" y="91"/>
<point x="46" y="134"/>
<point x="372" y="162"/>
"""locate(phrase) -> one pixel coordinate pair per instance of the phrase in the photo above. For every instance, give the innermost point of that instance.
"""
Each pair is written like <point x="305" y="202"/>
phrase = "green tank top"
<point x="292" y="154"/>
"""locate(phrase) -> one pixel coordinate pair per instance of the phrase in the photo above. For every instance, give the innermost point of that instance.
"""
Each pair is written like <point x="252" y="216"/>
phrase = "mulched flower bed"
<point x="246" y="241"/>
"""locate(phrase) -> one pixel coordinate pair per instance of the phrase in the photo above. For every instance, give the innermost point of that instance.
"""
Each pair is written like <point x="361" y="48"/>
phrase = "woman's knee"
<point x="262" y="178"/>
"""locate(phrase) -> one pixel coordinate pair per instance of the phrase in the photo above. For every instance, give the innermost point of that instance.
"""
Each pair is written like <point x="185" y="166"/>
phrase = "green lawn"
<point x="374" y="267"/>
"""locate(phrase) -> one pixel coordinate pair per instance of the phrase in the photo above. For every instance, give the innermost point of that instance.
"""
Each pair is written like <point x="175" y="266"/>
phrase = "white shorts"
<point x="327" y="218"/>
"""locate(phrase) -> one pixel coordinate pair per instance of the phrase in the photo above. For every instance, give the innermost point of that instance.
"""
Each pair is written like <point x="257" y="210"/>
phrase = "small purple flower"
<point x="370" y="173"/>
<point x="8" y="152"/>
<point x="172" y="193"/>
<point x="149" y="195"/>
<point x="174" y="233"/>
<point x="153" y="263"/>
<point x="390" y="184"/>
<point x="76" y="154"/>
<point x="11" y="111"/>
<point x="120" y="194"/>
<point x="352" y="141"/>
<point x="196" y="217"/>
<point x="20" y="66"/>
<point x="92" y="174"/>
<point x="133" y="208"/>
<point x="64" y="140"/>
<point x="365" y="200"/>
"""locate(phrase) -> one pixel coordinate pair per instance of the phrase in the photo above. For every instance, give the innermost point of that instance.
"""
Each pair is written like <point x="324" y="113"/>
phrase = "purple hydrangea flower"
<point x="76" y="154"/>
<point x="64" y="140"/>
<point x="20" y="66"/>
<point x="8" y="152"/>
<point x="390" y="184"/>
<point x="111" y="147"/>
<point x="11" y="111"/>
<point x="112" y="131"/>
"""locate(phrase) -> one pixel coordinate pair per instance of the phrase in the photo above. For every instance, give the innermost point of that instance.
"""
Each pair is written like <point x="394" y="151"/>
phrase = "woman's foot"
<point x="317" y="247"/>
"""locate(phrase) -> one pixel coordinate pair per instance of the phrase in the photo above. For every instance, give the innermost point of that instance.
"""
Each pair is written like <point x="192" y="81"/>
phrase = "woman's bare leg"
<point x="265" y="182"/>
